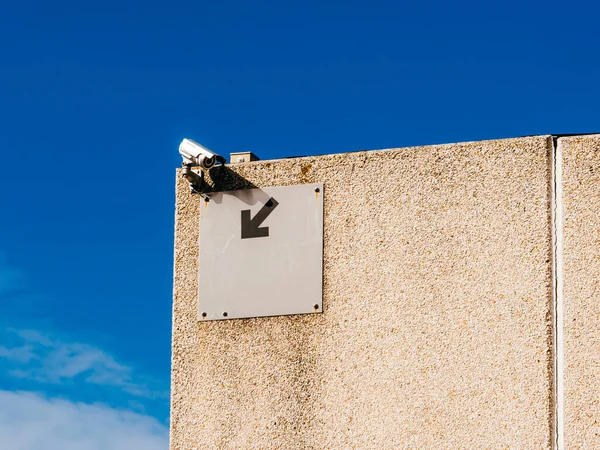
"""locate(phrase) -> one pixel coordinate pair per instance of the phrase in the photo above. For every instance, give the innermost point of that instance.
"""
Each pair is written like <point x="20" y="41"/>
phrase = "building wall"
<point x="438" y="310"/>
<point x="581" y="294"/>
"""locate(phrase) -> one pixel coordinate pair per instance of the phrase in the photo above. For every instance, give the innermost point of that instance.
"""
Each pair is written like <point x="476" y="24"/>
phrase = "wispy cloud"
<point x="72" y="375"/>
<point x="22" y="354"/>
<point x="31" y="421"/>
<point x="42" y="358"/>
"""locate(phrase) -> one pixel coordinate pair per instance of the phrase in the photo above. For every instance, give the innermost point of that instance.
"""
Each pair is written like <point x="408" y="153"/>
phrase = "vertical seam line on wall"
<point x="558" y="306"/>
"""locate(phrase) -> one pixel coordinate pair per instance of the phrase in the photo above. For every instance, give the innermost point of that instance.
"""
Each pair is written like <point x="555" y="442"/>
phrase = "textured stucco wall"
<point x="436" y="331"/>
<point x="581" y="293"/>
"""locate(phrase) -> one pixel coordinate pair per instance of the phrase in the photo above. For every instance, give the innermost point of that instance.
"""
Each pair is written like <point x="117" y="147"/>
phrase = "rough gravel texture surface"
<point x="437" y="323"/>
<point x="581" y="272"/>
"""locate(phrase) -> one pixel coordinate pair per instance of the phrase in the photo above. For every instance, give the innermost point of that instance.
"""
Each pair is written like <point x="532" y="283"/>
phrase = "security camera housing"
<point x="198" y="155"/>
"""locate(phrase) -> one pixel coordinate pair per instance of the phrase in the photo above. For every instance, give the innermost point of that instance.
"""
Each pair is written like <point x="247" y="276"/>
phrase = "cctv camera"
<point x="196" y="154"/>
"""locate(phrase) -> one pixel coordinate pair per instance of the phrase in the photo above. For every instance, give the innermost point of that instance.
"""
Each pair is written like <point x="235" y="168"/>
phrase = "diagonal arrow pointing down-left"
<point x="251" y="226"/>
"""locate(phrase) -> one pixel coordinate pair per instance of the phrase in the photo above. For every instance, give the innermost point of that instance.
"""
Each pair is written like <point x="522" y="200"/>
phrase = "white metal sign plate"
<point x="261" y="253"/>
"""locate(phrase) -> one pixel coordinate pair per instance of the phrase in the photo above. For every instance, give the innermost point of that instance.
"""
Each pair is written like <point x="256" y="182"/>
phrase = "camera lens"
<point x="207" y="163"/>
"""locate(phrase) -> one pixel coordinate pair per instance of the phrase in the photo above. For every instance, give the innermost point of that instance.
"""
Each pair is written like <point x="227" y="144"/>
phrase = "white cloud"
<point x="39" y="357"/>
<point x="22" y="354"/>
<point x="29" y="421"/>
<point x="41" y="361"/>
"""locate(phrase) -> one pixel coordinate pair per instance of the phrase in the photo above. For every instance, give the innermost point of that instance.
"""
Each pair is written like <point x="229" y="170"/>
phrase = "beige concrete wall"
<point x="581" y="294"/>
<point x="437" y="329"/>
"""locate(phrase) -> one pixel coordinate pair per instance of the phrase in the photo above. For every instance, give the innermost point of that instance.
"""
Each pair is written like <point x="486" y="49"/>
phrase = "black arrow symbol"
<point x="251" y="226"/>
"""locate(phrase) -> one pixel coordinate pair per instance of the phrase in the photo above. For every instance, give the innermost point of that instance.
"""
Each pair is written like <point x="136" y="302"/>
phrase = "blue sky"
<point x="96" y="96"/>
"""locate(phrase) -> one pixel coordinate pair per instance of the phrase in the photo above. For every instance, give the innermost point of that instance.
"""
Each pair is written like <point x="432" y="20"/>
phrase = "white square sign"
<point x="261" y="253"/>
